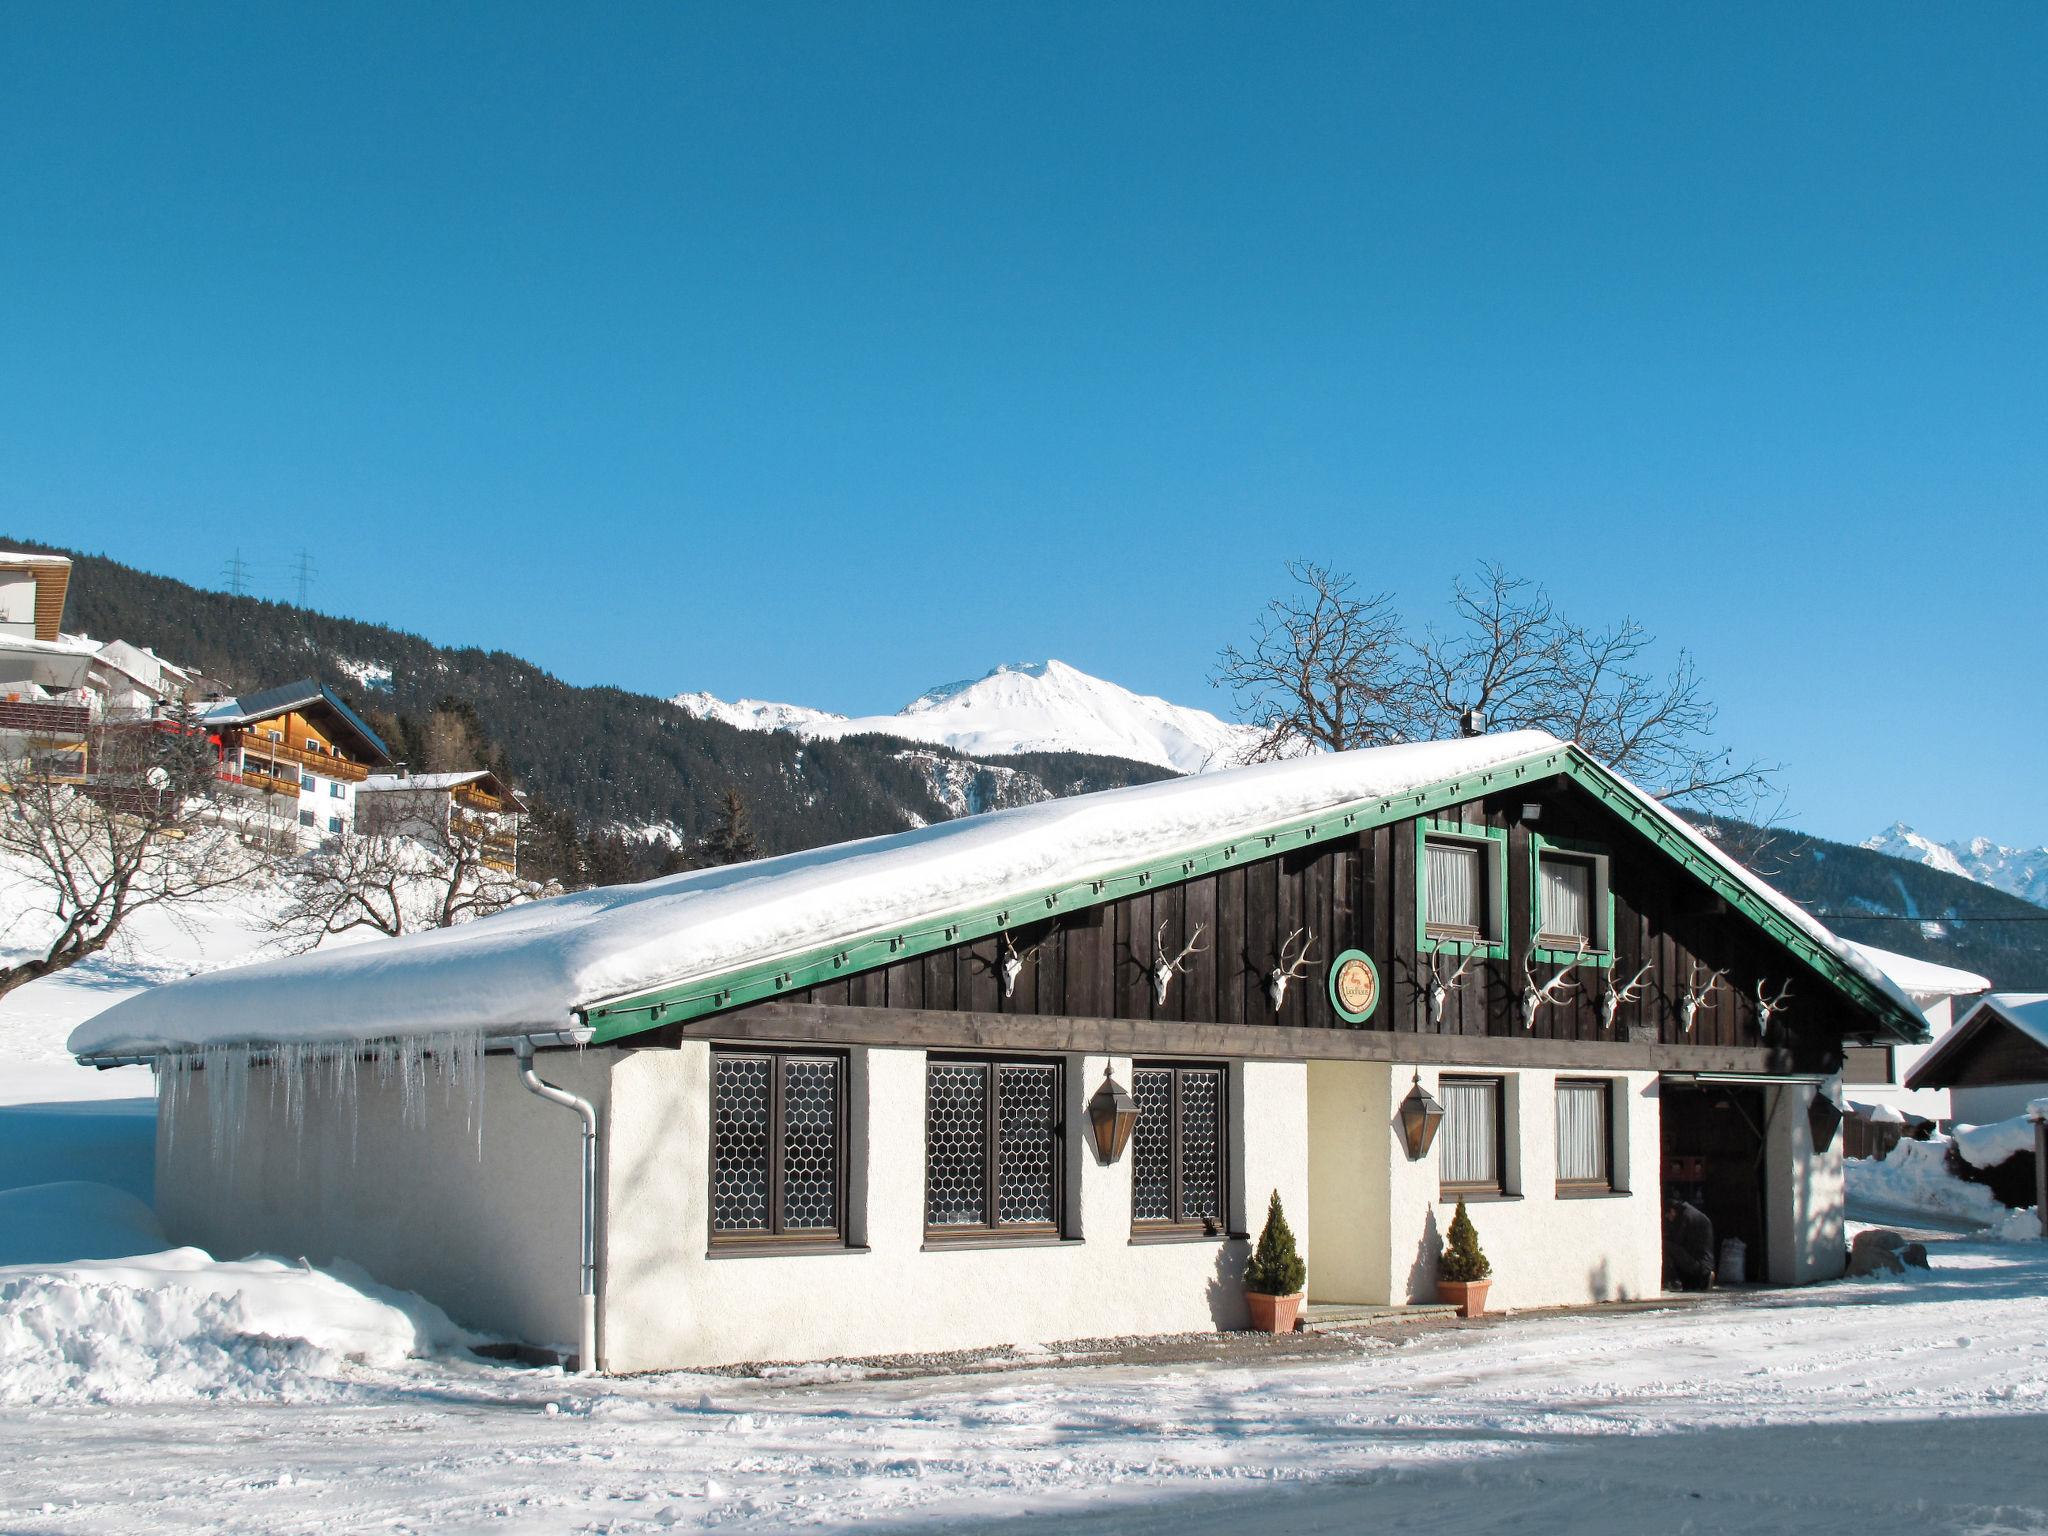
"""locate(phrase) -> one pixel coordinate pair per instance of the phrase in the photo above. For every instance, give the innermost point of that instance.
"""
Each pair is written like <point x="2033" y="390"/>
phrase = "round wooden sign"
<point x="1354" y="986"/>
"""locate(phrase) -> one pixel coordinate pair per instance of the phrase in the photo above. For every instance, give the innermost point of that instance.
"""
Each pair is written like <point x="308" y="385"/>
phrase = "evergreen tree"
<point x="1276" y="1268"/>
<point x="1461" y="1258"/>
<point x="733" y="842"/>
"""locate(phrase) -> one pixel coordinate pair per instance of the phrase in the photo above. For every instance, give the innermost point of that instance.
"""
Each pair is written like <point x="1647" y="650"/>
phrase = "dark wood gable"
<point x="1360" y="893"/>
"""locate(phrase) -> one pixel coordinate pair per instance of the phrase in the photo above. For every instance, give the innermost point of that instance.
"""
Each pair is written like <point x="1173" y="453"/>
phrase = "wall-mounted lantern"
<point x="1112" y="1115"/>
<point x="1824" y="1118"/>
<point x="1420" y="1116"/>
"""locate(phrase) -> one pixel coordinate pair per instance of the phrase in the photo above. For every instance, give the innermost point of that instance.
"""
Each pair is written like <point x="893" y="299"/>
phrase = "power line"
<point x="1878" y="917"/>
<point x="236" y="575"/>
<point x="303" y="572"/>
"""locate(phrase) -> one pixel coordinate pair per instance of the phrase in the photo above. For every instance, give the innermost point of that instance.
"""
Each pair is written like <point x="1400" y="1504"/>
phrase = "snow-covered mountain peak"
<point x="1032" y="706"/>
<point x="2021" y="872"/>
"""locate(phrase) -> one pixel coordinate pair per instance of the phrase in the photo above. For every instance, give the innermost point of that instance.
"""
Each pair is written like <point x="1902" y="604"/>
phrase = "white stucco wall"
<point x="492" y="1236"/>
<point x="1380" y="1219"/>
<point x="667" y="1304"/>
<point x="1804" y="1191"/>
<point x="1981" y="1106"/>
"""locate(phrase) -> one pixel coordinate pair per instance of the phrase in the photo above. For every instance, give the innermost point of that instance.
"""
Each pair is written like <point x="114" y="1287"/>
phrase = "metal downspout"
<point x="586" y="1349"/>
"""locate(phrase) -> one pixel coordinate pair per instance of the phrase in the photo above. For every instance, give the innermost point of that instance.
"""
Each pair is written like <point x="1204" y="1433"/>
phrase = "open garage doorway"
<point x="1714" y="1157"/>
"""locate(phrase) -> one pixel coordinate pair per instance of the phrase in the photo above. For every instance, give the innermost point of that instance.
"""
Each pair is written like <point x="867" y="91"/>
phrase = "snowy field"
<point x="1916" y="1404"/>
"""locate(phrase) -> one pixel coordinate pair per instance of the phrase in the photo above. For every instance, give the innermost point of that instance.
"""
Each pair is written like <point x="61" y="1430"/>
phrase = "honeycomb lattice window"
<point x="778" y="1145"/>
<point x="994" y="1143"/>
<point x="1179" y="1176"/>
<point x="1152" y="1145"/>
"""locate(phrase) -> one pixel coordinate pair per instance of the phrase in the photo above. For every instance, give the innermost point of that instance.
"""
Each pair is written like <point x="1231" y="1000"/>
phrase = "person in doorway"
<point x="1688" y="1245"/>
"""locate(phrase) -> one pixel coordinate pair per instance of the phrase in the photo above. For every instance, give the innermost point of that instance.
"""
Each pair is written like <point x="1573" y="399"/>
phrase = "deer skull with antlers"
<point x="1012" y="964"/>
<point x="1698" y="996"/>
<point x="1555" y="990"/>
<point x="1611" y="999"/>
<point x="1278" y="977"/>
<point x="1163" y="969"/>
<point x="1439" y="989"/>
<point x="1768" y="1008"/>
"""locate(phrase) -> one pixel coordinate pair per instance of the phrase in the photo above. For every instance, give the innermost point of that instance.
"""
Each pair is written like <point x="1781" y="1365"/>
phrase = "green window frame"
<point x="1599" y="954"/>
<point x="1493" y="845"/>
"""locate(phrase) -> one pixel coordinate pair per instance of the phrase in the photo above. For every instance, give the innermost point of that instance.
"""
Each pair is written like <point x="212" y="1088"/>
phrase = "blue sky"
<point x="829" y="352"/>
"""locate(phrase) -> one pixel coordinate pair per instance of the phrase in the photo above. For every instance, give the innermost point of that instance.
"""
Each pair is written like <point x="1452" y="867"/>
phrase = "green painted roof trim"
<point x="617" y="1018"/>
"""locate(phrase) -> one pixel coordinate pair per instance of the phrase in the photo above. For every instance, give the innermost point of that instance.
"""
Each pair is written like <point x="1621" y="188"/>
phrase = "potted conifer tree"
<point x="1274" y="1278"/>
<point x="1461" y="1272"/>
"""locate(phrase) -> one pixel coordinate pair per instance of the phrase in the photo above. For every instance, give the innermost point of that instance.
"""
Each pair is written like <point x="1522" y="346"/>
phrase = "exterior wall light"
<point x="1420" y="1116"/>
<point x="1824" y="1118"/>
<point x="1112" y="1116"/>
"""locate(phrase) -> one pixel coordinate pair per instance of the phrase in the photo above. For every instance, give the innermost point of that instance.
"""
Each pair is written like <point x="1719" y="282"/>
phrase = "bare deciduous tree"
<point x="1324" y="668"/>
<point x="1340" y="672"/>
<point x="430" y="877"/>
<point x="147" y="824"/>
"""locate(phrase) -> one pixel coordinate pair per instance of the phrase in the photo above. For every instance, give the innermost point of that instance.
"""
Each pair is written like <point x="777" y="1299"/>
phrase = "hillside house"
<point x="474" y="808"/>
<point x="300" y="751"/>
<point x="839" y="1102"/>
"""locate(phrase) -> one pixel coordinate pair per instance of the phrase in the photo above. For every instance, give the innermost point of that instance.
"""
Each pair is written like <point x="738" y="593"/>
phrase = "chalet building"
<point x="839" y="1102"/>
<point x="475" y="808"/>
<point x="300" y="751"/>
<point x="1994" y="1063"/>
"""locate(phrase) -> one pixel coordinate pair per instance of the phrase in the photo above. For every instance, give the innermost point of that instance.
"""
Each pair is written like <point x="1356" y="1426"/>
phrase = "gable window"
<point x="1570" y="903"/>
<point x="312" y="744"/>
<point x="1585" y="1135"/>
<point x="1460" y="887"/>
<point x="994" y="1148"/>
<point x="1179" y="1149"/>
<point x="1470" y="1158"/>
<point x="778" y="1147"/>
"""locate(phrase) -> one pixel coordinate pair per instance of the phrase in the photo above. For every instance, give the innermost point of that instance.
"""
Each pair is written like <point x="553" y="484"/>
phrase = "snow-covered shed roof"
<point x="626" y="957"/>
<point x="385" y="783"/>
<point x="1922" y="980"/>
<point x="2023" y="1014"/>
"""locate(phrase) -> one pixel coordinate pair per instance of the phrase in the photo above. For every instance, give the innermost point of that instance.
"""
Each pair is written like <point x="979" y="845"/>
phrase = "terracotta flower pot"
<point x="1468" y="1296"/>
<point x="1273" y="1314"/>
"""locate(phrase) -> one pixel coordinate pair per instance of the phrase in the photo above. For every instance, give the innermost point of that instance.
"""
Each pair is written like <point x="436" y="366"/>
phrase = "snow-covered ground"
<point x="1918" y="1403"/>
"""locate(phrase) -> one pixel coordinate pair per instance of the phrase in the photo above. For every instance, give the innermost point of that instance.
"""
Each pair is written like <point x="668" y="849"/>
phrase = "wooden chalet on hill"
<point x="300" y="751"/>
<point x="840" y="1100"/>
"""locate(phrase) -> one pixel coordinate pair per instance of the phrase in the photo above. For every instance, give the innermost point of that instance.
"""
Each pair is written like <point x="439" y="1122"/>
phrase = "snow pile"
<point x="1986" y="1146"/>
<point x="529" y="967"/>
<point x="2023" y="1226"/>
<point x="1026" y="706"/>
<point x="177" y="1326"/>
<point x="1879" y="1114"/>
<point x="1915" y="1177"/>
<point x="70" y="1220"/>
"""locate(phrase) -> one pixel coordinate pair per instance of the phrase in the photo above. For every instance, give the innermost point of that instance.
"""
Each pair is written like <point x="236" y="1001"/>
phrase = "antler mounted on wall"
<point x="1012" y="964"/>
<point x="1164" y="970"/>
<point x="1278" y="977"/>
<point x="1439" y="988"/>
<point x="1555" y="990"/>
<point x="1611" y="999"/>
<point x="1698" y="996"/>
<point x="1768" y="1008"/>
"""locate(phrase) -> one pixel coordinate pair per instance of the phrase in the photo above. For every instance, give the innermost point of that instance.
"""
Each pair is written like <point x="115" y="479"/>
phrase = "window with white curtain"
<point x="1567" y="890"/>
<point x="1469" y="1150"/>
<point x="1584" y="1112"/>
<point x="1456" y="874"/>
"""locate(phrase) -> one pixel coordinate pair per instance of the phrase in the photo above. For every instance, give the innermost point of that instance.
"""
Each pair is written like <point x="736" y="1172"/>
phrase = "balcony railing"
<point x="38" y="717"/>
<point x="260" y="749"/>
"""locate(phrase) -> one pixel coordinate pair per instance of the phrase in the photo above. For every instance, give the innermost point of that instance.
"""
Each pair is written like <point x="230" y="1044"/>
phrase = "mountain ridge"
<point x="2021" y="872"/>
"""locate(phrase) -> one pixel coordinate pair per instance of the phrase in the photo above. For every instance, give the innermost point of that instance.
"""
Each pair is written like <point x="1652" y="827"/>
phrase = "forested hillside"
<point x="605" y="756"/>
<point x="1900" y="905"/>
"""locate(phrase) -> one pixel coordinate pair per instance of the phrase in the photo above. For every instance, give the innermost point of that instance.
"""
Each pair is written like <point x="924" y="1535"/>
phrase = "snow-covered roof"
<point x="23" y="557"/>
<point x="531" y="967"/>
<point x="380" y="783"/>
<point x="1922" y="980"/>
<point x="2024" y="1012"/>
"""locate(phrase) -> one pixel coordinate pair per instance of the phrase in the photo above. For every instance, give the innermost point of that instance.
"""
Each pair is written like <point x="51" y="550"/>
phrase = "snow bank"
<point x="528" y="967"/>
<point x="71" y="1220"/>
<point x="2022" y="1226"/>
<point x="177" y="1326"/>
<point x="1915" y="1177"/>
